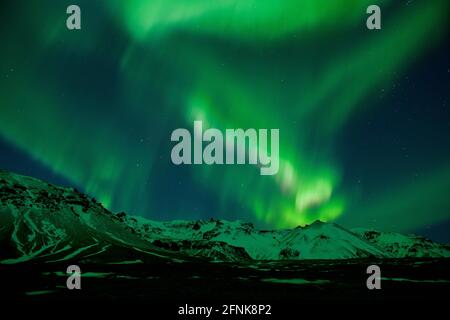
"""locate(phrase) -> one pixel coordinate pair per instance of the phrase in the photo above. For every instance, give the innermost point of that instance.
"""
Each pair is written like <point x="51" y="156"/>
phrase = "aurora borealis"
<point x="364" y="116"/>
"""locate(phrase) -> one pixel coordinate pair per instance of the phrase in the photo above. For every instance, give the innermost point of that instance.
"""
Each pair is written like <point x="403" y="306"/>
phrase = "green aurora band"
<point x="306" y="67"/>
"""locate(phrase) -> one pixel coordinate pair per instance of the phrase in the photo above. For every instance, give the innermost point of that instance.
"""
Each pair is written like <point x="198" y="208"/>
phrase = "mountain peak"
<point x="43" y="221"/>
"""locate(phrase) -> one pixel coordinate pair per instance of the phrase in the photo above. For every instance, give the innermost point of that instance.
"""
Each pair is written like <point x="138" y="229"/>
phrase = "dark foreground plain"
<point x="187" y="282"/>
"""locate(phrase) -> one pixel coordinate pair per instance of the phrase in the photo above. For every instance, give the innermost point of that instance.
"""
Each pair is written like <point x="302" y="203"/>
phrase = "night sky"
<point x="364" y="116"/>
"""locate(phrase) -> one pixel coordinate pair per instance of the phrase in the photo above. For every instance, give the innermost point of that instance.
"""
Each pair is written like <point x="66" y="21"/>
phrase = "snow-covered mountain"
<point x="404" y="246"/>
<point x="42" y="221"/>
<point x="316" y="241"/>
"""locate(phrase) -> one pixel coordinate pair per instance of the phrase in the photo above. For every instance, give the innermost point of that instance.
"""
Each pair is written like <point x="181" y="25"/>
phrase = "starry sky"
<point x="364" y="116"/>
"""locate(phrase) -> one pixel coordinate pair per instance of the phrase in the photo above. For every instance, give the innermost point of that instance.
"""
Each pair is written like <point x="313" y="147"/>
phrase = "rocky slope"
<point x="404" y="246"/>
<point x="41" y="221"/>
<point x="316" y="241"/>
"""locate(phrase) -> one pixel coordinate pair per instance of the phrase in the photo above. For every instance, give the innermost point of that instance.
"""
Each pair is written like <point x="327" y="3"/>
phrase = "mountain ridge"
<point x="43" y="221"/>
